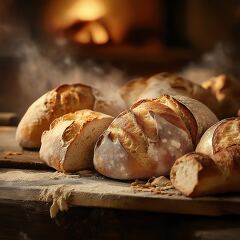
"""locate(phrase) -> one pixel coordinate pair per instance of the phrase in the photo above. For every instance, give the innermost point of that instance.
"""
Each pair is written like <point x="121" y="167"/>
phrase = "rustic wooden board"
<point x="97" y="191"/>
<point x="13" y="156"/>
<point x="21" y="159"/>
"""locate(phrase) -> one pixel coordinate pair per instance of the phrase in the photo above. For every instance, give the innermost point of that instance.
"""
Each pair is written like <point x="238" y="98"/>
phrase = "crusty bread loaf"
<point x="203" y="115"/>
<point x="165" y="83"/>
<point x="215" y="166"/>
<point x="226" y="90"/>
<point x="220" y="136"/>
<point x="197" y="174"/>
<point x="196" y="116"/>
<point x="146" y="140"/>
<point x="68" y="145"/>
<point x="55" y="103"/>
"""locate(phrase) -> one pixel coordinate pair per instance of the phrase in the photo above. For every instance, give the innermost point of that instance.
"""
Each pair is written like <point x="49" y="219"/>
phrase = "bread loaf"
<point x="223" y="134"/>
<point x="146" y="140"/>
<point x="226" y="90"/>
<point x="215" y="166"/>
<point x="196" y="116"/>
<point x="165" y="83"/>
<point x="197" y="174"/>
<point x="55" y="103"/>
<point x="68" y="145"/>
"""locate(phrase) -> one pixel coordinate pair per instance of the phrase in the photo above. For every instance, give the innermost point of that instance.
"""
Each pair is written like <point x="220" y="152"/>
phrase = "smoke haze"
<point x="39" y="74"/>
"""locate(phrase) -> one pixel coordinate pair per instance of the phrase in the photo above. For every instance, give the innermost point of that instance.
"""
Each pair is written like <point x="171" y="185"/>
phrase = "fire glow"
<point x="86" y="15"/>
<point x="98" y="22"/>
<point x="86" y="10"/>
<point x="93" y="32"/>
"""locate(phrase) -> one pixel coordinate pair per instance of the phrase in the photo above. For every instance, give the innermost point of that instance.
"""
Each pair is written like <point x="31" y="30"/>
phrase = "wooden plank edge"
<point x="5" y="163"/>
<point x="204" y="207"/>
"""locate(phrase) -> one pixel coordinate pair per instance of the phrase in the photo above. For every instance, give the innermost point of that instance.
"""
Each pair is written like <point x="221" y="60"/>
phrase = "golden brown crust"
<point x="67" y="98"/>
<point x="153" y="107"/>
<point x="32" y="124"/>
<point x="226" y="134"/>
<point x="204" y="117"/>
<point x="228" y="160"/>
<point x="133" y="89"/>
<point x="130" y="136"/>
<point x="165" y="83"/>
<point x="183" y="113"/>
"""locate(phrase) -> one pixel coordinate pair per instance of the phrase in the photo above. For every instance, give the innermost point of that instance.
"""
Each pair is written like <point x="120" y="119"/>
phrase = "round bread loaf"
<point x="55" y="103"/>
<point x="69" y="143"/>
<point x="165" y="83"/>
<point x="146" y="140"/>
<point x="220" y="136"/>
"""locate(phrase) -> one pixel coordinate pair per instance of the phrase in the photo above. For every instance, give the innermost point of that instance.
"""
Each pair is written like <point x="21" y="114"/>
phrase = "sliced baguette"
<point x="197" y="174"/>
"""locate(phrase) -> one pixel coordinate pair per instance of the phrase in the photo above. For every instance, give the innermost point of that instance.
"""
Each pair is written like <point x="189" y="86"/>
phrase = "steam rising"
<point x="223" y="59"/>
<point x="41" y="71"/>
<point x="39" y="74"/>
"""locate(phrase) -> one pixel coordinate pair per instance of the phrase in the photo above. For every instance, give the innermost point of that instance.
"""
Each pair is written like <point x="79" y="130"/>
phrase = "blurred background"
<point x="105" y="43"/>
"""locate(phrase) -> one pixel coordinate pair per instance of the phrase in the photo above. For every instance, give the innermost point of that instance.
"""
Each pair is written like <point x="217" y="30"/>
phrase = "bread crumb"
<point x="85" y="173"/>
<point x="9" y="155"/>
<point x="159" y="185"/>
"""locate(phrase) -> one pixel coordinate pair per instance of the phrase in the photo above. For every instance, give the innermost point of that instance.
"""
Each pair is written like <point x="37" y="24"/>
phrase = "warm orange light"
<point x="63" y="13"/>
<point x="83" y="36"/>
<point x="86" y="10"/>
<point x="99" y="33"/>
<point x="93" y="32"/>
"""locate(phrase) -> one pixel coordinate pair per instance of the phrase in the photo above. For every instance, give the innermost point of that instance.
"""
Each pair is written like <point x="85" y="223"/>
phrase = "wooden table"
<point x="101" y="207"/>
